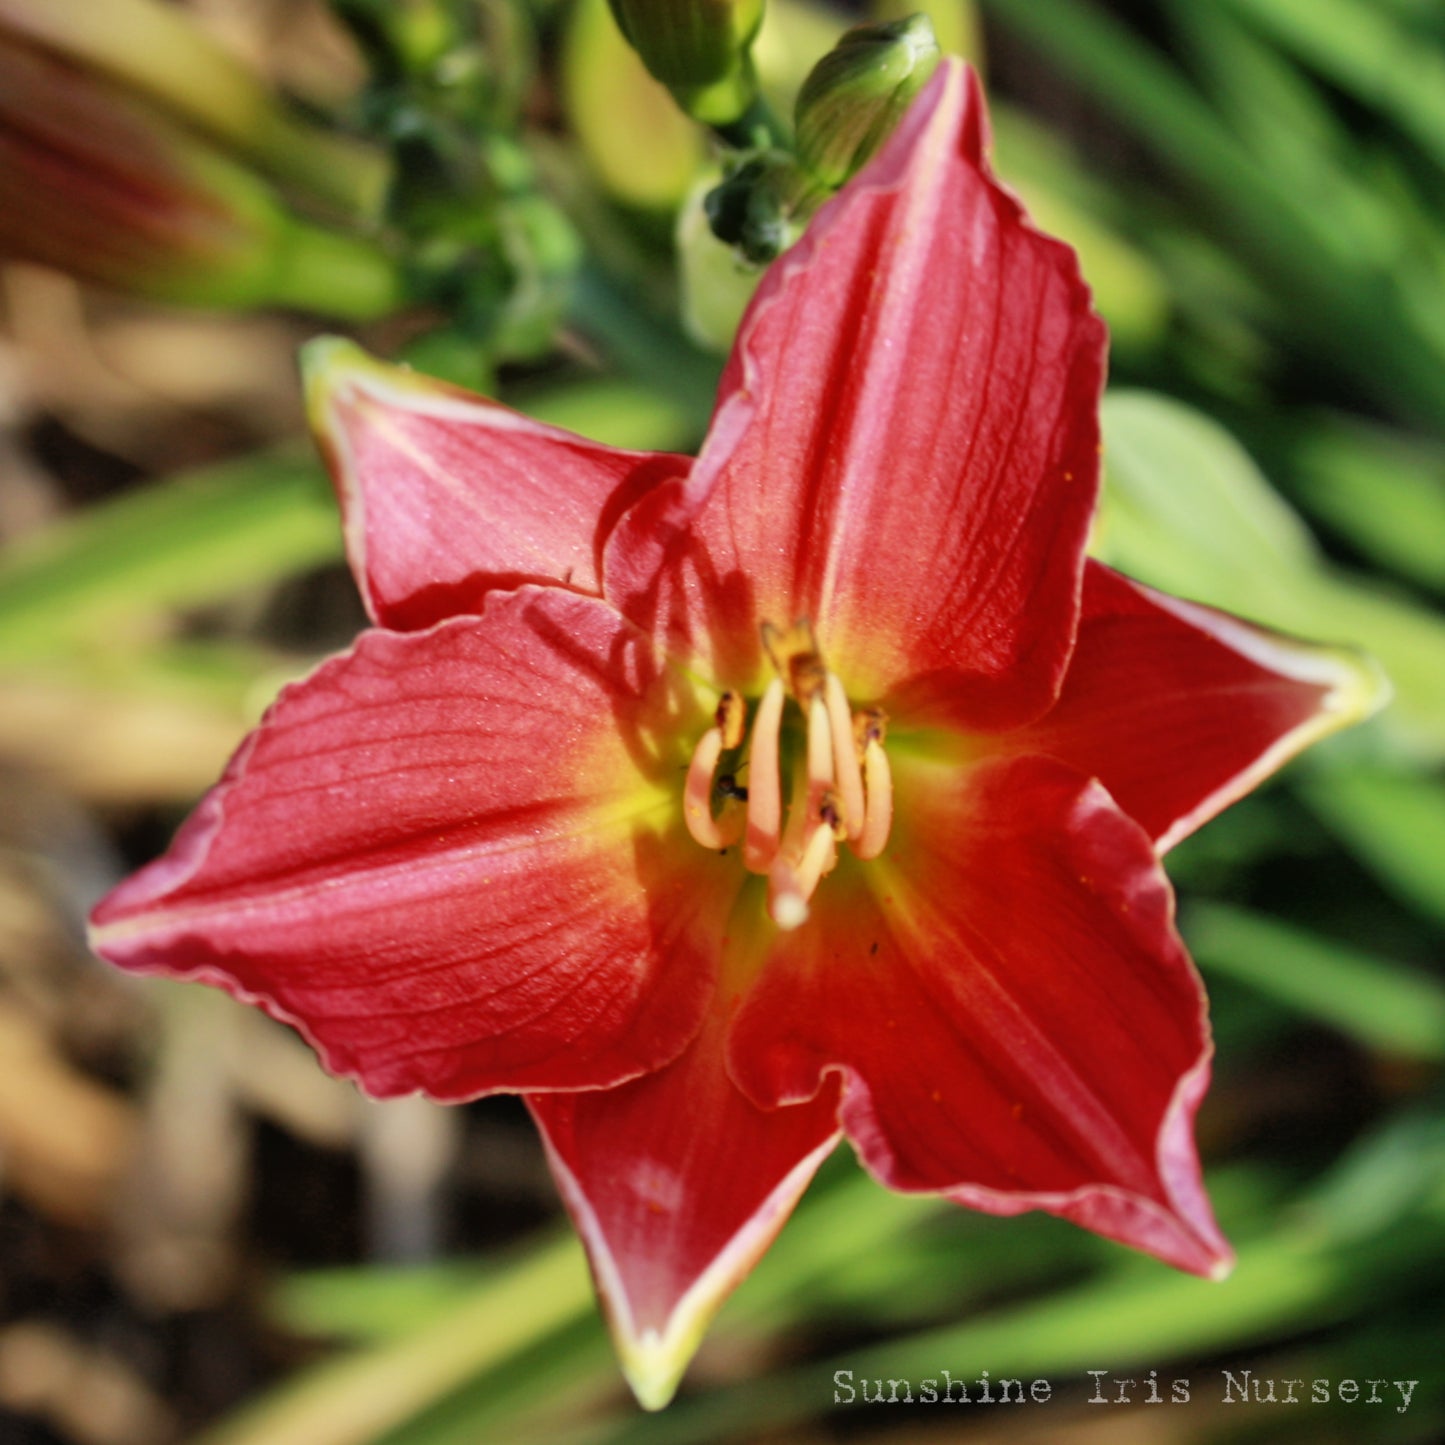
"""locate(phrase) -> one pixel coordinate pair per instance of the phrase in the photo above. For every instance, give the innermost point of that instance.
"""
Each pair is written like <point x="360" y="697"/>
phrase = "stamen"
<point x="870" y="725"/>
<point x="790" y="885"/>
<point x="878" y="822"/>
<point x="842" y="786"/>
<point x="724" y="830"/>
<point x="820" y="749"/>
<point x="846" y="767"/>
<point x="765" y="783"/>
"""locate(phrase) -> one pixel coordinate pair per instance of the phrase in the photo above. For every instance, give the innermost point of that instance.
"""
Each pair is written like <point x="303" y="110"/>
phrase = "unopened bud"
<point x="698" y="49"/>
<point x="645" y="151"/>
<point x="156" y="51"/>
<point x="95" y="182"/>
<point x="858" y="92"/>
<point x="760" y="207"/>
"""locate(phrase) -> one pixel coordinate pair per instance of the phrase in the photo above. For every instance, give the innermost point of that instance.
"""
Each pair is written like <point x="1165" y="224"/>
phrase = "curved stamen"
<point x="724" y="830"/>
<point x="878" y="821"/>
<point x="765" y="783"/>
<point x="846" y="767"/>
<point x="842" y="786"/>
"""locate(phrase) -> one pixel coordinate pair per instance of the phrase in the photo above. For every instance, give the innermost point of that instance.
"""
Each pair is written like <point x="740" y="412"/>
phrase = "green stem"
<point x="757" y="128"/>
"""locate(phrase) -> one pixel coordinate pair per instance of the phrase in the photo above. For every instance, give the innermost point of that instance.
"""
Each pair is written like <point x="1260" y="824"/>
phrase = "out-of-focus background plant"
<point x="201" y="1236"/>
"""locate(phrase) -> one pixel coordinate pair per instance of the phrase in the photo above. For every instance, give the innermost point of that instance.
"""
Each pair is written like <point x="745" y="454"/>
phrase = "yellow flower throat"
<point x="844" y="793"/>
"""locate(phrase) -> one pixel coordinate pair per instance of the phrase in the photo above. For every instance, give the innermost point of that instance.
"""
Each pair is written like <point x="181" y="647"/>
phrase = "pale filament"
<point x="845" y="758"/>
<point x="765" y="783"/>
<point x="820" y="752"/>
<point x="845" y="791"/>
<point x="878" y="780"/>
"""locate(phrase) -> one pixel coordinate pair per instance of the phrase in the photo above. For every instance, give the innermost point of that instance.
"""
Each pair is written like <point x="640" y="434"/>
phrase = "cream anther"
<point x="765" y="783"/>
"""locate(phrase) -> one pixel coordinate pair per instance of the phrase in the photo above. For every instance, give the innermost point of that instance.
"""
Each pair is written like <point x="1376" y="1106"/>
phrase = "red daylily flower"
<point x="502" y="843"/>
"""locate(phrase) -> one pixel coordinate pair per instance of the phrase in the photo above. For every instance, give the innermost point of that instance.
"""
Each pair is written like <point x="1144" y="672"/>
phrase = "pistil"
<point x="791" y="885"/>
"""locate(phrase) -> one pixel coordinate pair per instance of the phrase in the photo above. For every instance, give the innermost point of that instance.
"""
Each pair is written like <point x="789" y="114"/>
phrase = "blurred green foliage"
<point x="1258" y="194"/>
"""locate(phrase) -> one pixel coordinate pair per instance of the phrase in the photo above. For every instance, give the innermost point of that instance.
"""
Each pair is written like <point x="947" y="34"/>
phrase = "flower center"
<point x="842" y="789"/>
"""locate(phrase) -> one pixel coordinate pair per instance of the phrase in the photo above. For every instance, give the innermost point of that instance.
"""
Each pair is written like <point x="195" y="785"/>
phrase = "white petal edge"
<point x="333" y="367"/>
<point x="652" y="1362"/>
<point x="1357" y="685"/>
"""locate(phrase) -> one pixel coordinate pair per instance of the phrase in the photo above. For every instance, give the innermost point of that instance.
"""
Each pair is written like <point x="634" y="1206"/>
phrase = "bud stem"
<point x="757" y="128"/>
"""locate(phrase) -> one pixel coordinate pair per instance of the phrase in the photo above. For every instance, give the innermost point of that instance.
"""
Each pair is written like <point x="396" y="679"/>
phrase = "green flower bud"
<point x="858" y="92"/>
<point x="698" y="49"/>
<point x="642" y="148"/>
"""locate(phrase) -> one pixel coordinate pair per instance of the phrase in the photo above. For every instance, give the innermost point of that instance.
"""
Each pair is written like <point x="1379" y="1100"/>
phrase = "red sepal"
<point x="677" y="1183"/>
<point x="1178" y="709"/>
<point x="1014" y="1017"/>
<point x="446" y="496"/>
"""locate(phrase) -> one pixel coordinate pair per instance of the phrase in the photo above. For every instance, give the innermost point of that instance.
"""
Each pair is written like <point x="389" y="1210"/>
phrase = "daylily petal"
<point x="905" y="448"/>
<point x="446" y="495"/>
<point x="677" y="1184"/>
<point x="1178" y="709"/>
<point x="1014" y="1016"/>
<point x="454" y="860"/>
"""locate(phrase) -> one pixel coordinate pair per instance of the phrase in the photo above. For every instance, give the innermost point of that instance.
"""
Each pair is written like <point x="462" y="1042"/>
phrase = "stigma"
<point x="841" y="791"/>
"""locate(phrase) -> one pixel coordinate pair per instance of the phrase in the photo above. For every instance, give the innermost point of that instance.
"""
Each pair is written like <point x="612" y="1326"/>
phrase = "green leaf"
<point x="1378" y="1003"/>
<point x="1394" y="823"/>
<point x="1185" y="503"/>
<point x="1185" y="509"/>
<point x="1374" y="312"/>
<point x="1379" y="62"/>
<point x="368" y="1302"/>
<point x="353" y="1398"/>
<point x="1381" y="489"/>
<point x="183" y="542"/>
